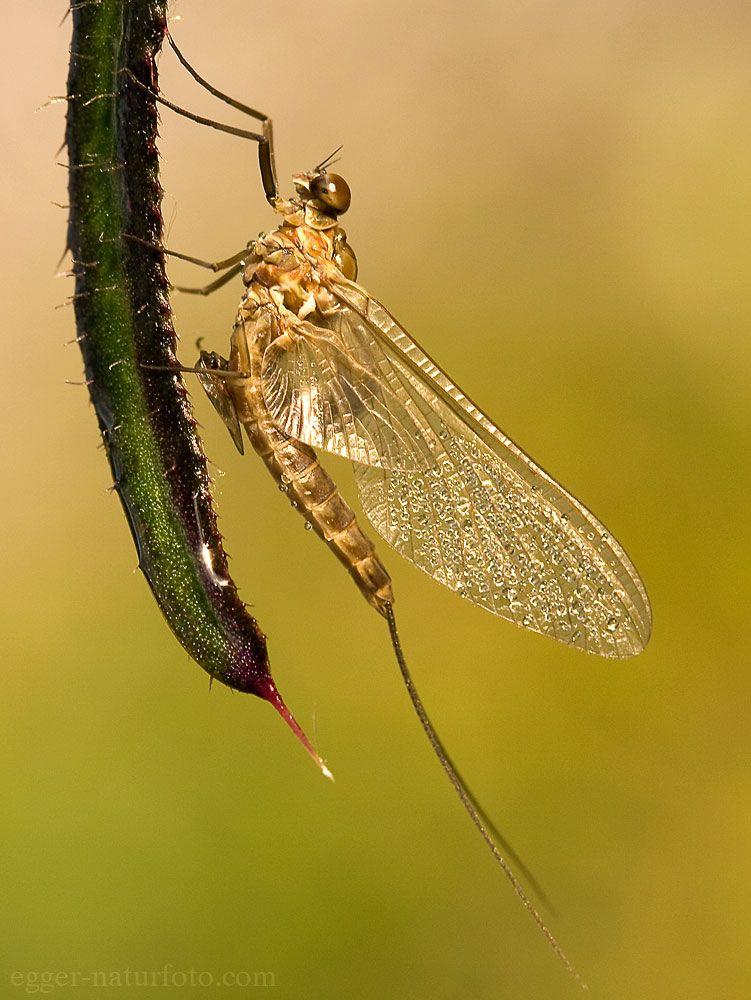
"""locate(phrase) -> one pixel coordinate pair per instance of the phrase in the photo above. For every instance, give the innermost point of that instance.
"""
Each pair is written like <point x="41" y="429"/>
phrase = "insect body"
<point x="319" y="363"/>
<point x="283" y="288"/>
<point x="316" y="362"/>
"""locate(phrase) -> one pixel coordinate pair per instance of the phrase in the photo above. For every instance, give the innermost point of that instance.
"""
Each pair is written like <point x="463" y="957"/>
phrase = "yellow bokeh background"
<point x="554" y="199"/>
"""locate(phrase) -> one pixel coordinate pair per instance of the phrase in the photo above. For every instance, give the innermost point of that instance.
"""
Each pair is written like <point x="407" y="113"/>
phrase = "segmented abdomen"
<point x="298" y="472"/>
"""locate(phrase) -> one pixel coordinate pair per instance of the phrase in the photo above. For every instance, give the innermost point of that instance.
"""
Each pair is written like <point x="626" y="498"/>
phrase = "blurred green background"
<point x="555" y="200"/>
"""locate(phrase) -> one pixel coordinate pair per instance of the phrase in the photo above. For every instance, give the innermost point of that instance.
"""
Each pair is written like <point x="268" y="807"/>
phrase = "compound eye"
<point x="332" y="191"/>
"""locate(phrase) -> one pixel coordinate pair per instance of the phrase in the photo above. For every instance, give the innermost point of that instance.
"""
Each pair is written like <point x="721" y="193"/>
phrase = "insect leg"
<point x="265" y="139"/>
<point x="265" y="147"/>
<point x="234" y="263"/>
<point x="212" y="286"/>
<point x="239" y="106"/>
<point x="207" y="372"/>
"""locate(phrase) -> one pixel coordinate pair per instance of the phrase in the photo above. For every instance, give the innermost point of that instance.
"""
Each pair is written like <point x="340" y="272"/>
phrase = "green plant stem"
<point x="124" y="324"/>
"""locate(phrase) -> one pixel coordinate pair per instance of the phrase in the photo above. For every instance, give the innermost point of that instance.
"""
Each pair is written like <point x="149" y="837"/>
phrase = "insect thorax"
<point x="293" y="267"/>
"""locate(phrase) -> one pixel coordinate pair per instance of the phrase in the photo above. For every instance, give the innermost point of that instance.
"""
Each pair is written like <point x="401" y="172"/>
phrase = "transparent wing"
<point x="333" y="395"/>
<point x="446" y="488"/>
<point x="215" y="388"/>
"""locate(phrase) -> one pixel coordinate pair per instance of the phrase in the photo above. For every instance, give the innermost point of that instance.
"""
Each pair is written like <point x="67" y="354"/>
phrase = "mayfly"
<point x="317" y="363"/>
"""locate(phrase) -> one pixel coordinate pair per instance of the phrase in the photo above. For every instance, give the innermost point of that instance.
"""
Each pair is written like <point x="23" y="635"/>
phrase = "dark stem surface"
<point x="125" y="332"/>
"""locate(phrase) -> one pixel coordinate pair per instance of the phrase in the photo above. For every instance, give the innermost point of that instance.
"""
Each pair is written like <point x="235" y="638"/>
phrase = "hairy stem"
<point x="127" y="339"/>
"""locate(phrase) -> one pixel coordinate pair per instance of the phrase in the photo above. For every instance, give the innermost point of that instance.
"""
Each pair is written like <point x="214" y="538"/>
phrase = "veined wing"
<point x="330" y="393"/>
<point x="215" y="388"/>
<point x="446" y="488"/>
